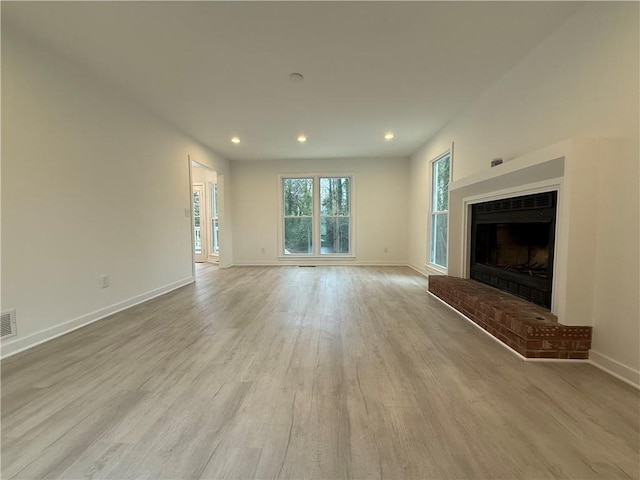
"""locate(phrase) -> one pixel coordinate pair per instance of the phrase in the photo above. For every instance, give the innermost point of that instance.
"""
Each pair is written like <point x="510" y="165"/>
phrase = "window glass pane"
<point x="214" y="219"/>
<point x="439" y="239"/>
<point x="334" y="196"/>
<point x="441" y="184"/>
<point x="215" y="200"/>
<point x="334" y="235"/>
<point x="298" y="235"/>
<point x="196" y="221"/>
<point x="297" y="196"/>
<point x="214" y="229"/>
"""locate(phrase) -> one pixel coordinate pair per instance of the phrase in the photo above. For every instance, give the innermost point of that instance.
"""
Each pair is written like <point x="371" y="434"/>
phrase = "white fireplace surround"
<point x="574" y="168"/>
<point x="543" y="171"/>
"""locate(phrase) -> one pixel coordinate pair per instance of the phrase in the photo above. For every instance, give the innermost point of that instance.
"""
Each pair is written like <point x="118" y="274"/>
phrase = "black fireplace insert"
<point x="512" y="245"/>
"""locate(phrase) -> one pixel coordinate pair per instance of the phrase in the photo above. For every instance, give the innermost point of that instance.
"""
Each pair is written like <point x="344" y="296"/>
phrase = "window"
<point x="316" y="215"/>
<point x="334" y="215"/>
<point x="440" y="173"/>
<point x="197" y="194"/>
<point x="215" y="246"/>
<point x="298" y="215"/>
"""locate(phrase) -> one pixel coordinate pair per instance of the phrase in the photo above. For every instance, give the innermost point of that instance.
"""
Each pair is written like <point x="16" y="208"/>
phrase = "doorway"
<point x="206" y="222"/>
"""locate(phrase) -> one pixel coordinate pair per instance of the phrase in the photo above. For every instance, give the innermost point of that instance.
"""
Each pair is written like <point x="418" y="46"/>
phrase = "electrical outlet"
<point x="386" y="249"/>
<point x="263" y="250"/>
<point x="104" y="281"/>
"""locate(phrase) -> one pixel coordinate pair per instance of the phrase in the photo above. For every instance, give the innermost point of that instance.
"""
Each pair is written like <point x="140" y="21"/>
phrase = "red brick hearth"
<point x="530" y="330"/>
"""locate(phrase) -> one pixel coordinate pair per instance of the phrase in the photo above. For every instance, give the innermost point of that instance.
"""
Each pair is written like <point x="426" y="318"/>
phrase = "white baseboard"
<point x="378" y="264"/>
<point x="20" y="344"/>
<point x="615" y="368"/>
<point x="421" y="271"/>
<point x="318" y="263"/>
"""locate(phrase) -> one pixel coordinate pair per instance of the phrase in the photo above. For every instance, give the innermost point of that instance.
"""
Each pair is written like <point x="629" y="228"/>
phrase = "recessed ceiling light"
<point x="389" y="136"/>
<point x="235" y="139"/>
<point x="302" y="138"/>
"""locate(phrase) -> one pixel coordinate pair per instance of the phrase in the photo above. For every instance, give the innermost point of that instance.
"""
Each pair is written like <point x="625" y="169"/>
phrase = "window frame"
<point x="283" y="217"/>
<point x="316" y="218"/>
<point x="438" y="213"/>
<point x="215" y="220"/>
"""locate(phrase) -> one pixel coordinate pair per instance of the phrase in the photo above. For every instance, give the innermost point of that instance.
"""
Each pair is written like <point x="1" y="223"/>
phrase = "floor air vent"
<point x="8" y="324"/>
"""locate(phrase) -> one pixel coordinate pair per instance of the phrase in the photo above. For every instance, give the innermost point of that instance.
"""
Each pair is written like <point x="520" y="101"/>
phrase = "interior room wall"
<point x="210" y="176"/>
<point x="582" y="81"/>
<point x="92" y="184"/>
<point x="380" y="199"/>
<point x="616" y="300"/>
<point x="197" y="174"/>
<point x="200" y="174"/>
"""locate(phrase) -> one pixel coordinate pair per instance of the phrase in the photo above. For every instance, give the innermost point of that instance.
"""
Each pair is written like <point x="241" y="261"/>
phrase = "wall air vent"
<point x="8" y="324"/>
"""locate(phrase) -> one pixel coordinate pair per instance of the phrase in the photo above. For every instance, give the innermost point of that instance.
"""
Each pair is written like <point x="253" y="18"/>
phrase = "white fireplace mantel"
<point x="552" y="168"/>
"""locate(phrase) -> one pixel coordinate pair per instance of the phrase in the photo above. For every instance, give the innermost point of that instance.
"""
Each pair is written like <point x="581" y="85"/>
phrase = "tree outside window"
<point x="298" y="215"/>
<point x="334" y="215"/>
<point x="316" y="215"/>
<point x="215" y="244"/>
<point x="440" y="210"/>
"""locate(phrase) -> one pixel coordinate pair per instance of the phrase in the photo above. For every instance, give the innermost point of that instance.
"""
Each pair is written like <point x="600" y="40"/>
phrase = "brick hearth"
<point x="530" y="330"/>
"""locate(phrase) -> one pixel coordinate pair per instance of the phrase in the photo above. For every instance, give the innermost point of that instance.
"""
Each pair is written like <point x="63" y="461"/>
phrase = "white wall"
<point x="91" y="185"/>
<point x="582" y="81"/>
<point x="203" y="175"/>
<point x="616" y="301"/>
<point x="380" y="198"/>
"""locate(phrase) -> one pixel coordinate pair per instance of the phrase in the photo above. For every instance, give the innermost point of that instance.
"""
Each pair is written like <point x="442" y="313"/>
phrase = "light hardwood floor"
<point x="328" y="372"/>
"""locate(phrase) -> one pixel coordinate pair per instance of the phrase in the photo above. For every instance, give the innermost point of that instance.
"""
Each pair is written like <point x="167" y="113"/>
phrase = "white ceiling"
<point x="218" y="69"/>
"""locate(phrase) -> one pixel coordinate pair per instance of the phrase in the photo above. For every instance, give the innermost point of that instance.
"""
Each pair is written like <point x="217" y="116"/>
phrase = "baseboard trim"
<point x="320" y="263"/>
<point x="608" y="365"/>
<point x="421" y="271"/>
<point x="504" y="345"/>
<point x="21" y="344"/>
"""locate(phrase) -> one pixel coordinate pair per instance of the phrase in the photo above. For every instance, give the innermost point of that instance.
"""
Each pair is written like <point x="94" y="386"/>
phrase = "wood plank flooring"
<point x="286" y="372"/>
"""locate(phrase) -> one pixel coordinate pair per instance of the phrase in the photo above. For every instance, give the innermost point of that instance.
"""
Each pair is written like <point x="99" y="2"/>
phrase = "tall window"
<point x="316" y="213"/>
<point x="440" y="172"/>
<point x="197" y="193"/>
<point x="215" y="246"/>
<point x="334" y="215"/>
<point x="298" y="215"/>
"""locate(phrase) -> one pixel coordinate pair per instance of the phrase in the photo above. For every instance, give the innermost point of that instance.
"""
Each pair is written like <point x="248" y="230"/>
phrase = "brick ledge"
<point x="530" y="330"/>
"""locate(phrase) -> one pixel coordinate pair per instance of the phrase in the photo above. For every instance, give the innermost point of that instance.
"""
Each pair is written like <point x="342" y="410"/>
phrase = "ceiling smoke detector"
<point x="296" y="77"/>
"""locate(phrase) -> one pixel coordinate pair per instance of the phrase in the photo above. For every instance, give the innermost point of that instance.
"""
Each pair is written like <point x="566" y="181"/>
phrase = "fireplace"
<point x="512" y="243"/>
